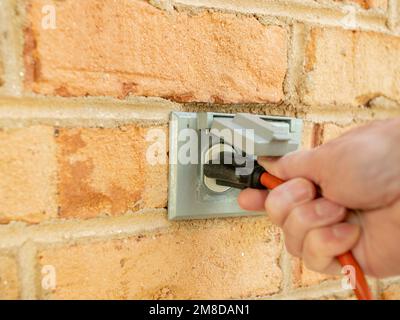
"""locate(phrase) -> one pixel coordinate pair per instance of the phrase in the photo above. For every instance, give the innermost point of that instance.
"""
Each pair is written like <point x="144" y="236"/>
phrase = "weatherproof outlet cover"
<point x="189" y="144"/>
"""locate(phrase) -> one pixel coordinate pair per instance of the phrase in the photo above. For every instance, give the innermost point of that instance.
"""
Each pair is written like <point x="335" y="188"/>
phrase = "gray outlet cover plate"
<point x="188" y="197"/>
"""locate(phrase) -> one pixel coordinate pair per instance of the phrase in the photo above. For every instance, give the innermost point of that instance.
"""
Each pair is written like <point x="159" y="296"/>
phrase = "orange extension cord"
<point x="361" y="290"/>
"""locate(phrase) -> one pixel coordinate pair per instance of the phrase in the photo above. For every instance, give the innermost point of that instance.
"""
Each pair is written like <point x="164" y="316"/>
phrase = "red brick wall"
<point x="78" y="200"/>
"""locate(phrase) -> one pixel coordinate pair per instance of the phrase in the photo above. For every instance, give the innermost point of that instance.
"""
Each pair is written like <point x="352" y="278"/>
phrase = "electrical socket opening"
<point x="213" y="153"/>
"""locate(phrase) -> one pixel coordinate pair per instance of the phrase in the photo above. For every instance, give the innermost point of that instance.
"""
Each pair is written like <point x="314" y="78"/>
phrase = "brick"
<point x="130" y="47"/>
<point x="308" y="135"/>
<point x="105" y="171"/>
<point x="351" y="67"/>
<point x="27" y="174"/>
<point x="392" y="292"/>
<point x="9" y="285"/>
<point x="1" y="62"/>
<point x="303" y="277"/>
<point x="234" y="258"/>
<point x="333" y="131"/>
<point x="1" y="70"/>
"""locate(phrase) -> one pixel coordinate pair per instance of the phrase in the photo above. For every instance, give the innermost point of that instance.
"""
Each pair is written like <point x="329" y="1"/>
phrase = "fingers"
<point x="312" y="227"/>
<point x="323" y="245"/>
<point x="286" y="197"/>
<point x="293" y="165"/>
<point x="252" y="199"/>
<point x="302" y="219"/>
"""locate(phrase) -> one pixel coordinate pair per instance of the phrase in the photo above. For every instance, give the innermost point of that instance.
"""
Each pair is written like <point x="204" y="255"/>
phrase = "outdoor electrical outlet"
<point x="198" y="138"/>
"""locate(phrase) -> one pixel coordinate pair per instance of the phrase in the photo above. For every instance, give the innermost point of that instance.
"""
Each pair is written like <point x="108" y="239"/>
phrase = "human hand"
<point x="359" y="170"/>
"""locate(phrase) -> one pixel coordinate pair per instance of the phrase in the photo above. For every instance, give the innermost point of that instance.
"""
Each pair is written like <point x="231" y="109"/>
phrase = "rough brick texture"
<point x="303" y="277"/>
<point x="351" y="67"/>
<point x="2" y="35"/>
<point x="396" y="15"/>
<point x="332" y="131"/>
<point x="27" y="174"/>
<point x="208" y="259"/>
<point x="47" y="172"/>
<point x="308" y="135"/>
<point x="1" y="69"/>
<point x="211" y="57"/>
<point x="391" y="292"/>
<point x="105" y="171"/>
<point x="9" y="286"/>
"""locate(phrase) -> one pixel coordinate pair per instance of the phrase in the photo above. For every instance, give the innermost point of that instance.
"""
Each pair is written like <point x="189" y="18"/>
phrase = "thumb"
<point x="293" y="165"/>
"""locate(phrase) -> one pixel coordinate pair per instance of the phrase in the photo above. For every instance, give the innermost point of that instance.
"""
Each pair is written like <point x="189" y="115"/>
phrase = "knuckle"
<point x="293" y="248"/>
<point x="311" y="264"/>
<point x="293" y="226"/>
<point x="287" y="229"/>
<point x="311" y="244"/>
<point x="300" y="216"/>
<point x="308" y="185"/>
<point x="275" y="213"/>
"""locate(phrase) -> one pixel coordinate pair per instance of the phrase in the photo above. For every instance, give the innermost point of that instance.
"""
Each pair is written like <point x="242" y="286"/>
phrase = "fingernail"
<point x="266" y="161"/>
<point x="344" y="230"/>
<point x="326" y="209"/>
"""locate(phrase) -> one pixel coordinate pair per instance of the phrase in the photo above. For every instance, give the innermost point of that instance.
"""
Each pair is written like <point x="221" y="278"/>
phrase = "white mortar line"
<point x="296" y="57"/>
<point x="98" y="111"/>
<point x="60" y="231"/>
<point x="12" y="47"/>
<point x="27" y="270"/>
<point x="286" y="267"/>
<point x="393" y="15"/>
<point x="326" y="289"/>
<point x="83" y="111"/>
<point x="326" y="15"/>
<point x="344" y="116"/>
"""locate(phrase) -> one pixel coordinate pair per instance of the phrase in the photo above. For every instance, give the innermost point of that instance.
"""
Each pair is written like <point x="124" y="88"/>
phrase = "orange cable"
<point x="361" y="289"/>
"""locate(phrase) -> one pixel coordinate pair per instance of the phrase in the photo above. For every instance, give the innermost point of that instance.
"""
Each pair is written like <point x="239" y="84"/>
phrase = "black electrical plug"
<point x="226" y="171"/>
